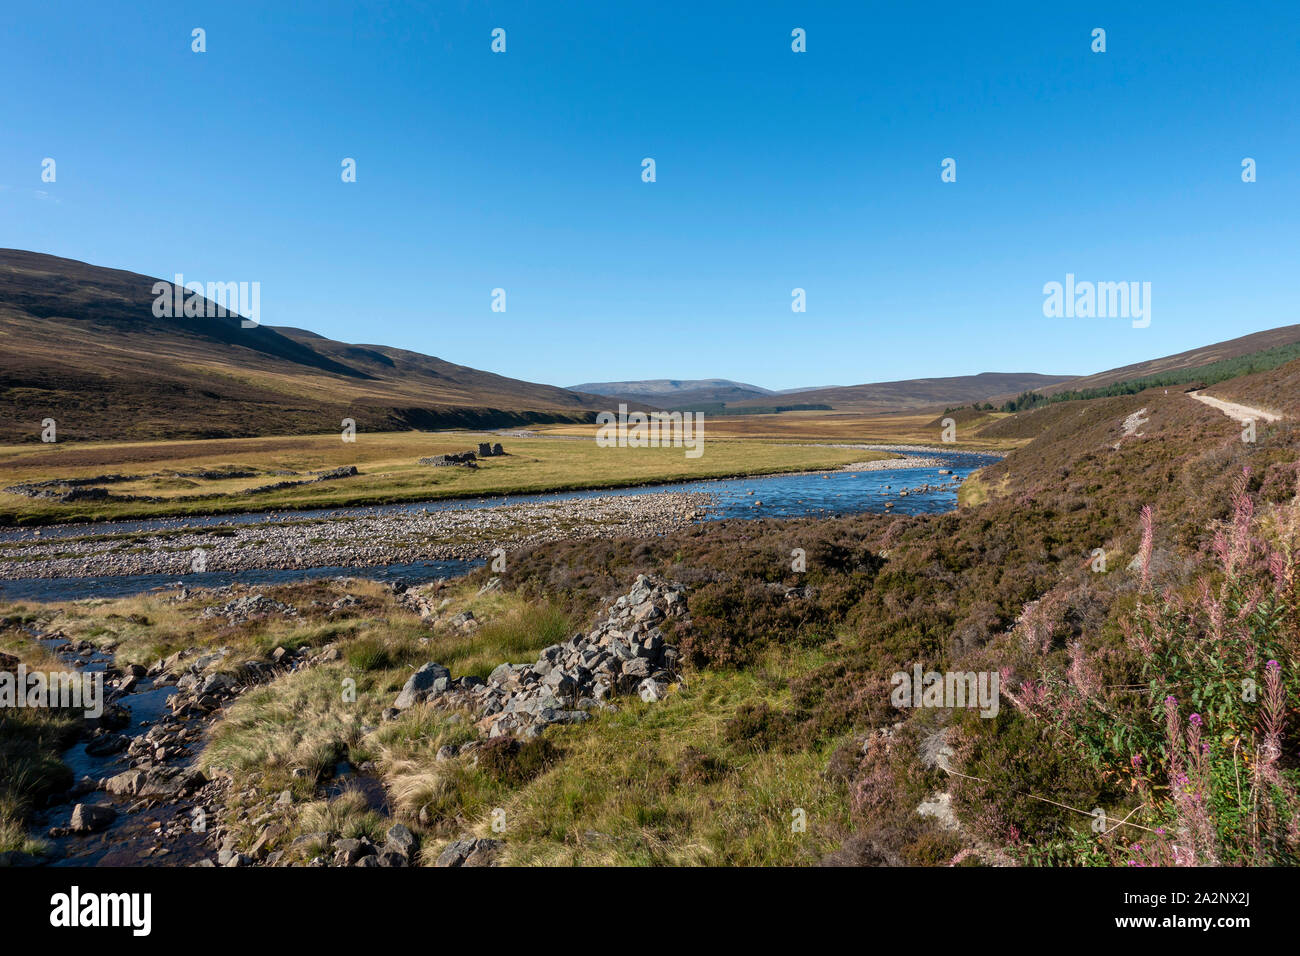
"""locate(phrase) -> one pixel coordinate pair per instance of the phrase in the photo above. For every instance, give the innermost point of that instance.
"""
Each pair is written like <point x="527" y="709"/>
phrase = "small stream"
<point x="131" y="838"/>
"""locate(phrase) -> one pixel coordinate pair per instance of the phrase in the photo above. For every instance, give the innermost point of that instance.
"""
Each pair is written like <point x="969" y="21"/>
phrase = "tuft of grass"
<point x="368" y="654"/>
<point x="31" y="741"/>
<point x="346" y="816"/>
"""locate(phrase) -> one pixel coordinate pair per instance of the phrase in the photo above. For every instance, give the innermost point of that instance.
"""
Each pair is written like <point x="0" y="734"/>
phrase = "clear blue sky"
<point x="775" y="170"/>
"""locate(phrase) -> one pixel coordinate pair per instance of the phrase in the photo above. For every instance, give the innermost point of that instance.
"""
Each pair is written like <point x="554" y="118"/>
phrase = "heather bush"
<point x="1194" y="715"/>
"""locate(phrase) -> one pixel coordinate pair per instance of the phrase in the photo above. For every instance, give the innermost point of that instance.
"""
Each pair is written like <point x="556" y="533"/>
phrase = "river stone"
<point x="89" y="818"/>
<point x="217" y="684"/>
<point x="127" y="783"/>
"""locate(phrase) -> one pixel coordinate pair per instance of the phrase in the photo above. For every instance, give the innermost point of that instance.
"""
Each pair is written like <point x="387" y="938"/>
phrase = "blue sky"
<point x="775" y="170"/>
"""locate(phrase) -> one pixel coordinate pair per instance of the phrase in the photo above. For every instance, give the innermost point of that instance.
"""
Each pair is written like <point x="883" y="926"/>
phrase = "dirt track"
<point x="1240" y="413"/>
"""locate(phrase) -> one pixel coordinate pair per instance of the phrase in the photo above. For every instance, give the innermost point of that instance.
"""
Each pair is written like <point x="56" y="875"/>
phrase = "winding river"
<point x="931" y="489"/>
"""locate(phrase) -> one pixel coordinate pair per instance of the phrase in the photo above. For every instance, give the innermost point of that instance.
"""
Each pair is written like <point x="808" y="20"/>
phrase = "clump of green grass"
<point x="367" y="654"/>
<point x="303" y="721"/>
<point x="346" y="816"/>
<point x="662" y="784"/>
<point x="30" y="769"/>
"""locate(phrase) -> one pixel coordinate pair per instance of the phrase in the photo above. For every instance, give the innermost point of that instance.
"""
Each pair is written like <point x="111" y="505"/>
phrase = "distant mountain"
<point x="80" y="344"/>
<point x="921" y="393"/>
<point x="676" y="393"/>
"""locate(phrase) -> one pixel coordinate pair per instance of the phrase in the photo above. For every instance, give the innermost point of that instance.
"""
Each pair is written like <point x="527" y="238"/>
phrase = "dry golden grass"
<point x="389" y="469"/>
<point x="913" y="428"/>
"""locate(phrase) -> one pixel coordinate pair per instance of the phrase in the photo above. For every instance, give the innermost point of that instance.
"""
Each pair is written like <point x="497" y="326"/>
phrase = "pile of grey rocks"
<point x="624" y="654"/>
<point x="248" y="608"/>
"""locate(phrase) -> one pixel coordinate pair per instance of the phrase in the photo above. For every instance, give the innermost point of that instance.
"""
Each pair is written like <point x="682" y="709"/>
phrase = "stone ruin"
<point x="465" y="459"/>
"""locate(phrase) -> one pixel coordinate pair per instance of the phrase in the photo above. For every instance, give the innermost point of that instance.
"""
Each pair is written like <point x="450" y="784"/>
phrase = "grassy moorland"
<point x="388" y="464"/>
<point x="900" y="428"/>
<point x="1123" y="678"/>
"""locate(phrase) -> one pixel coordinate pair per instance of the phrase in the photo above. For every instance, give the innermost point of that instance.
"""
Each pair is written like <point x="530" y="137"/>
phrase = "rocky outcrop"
<point x="626" y="653"/>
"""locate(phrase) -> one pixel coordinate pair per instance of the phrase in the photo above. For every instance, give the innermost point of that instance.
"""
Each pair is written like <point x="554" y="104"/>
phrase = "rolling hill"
<point x="676" y="393"/>
<point x="80" y="344"/>
<point x="919" y="393"/>
<point x="1191" y="359"/>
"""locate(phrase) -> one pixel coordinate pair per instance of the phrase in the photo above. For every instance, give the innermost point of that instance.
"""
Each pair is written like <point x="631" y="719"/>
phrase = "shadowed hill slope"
<point x="676" y="393"/>
<point x="80" y="344"/>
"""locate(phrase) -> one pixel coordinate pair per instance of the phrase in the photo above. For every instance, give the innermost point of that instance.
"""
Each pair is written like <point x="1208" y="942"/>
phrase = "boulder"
<point x="401" y="841"/>
<point x="90" y="818"/>
<point x="125" y="784"/>
<point x="429" y="681"/>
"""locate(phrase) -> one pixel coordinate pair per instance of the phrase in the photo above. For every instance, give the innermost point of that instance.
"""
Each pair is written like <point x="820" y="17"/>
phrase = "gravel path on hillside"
<point x="1237" y="412"/>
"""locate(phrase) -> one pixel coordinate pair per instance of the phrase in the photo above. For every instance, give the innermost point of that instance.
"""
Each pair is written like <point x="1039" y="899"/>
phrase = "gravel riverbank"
<point x="360" y="540"/>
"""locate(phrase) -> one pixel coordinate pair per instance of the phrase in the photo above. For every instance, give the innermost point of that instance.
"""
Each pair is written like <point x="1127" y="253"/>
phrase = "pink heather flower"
<point x="1222" y="548"/>
<point x="1273" y="717"/>
<point x="1173" y="736"/>
<point x="1277" y="567"/>
<point x="1081" y="674"/>
<point x="1148" y="538"/>
<point x="1195" y="719"/>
